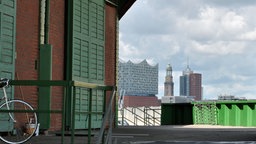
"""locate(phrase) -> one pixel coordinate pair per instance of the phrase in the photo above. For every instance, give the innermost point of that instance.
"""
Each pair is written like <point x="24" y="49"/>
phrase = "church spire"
<point x="169" y="70"/>
<point x="187" y="71"/>
<point x="168" y="84"/>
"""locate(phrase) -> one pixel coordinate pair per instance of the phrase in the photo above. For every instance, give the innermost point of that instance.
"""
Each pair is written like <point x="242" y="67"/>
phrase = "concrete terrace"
<point x="185" y="134"/>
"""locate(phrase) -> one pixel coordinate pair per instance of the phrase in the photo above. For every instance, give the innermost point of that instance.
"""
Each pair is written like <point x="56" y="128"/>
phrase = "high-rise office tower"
<point x="191" y="84"/>
<point x="168" y="84"/>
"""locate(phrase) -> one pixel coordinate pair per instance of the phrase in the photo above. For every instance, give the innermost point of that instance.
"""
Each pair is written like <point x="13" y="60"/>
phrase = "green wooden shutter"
<point x="7" y="37"/>
<point x="87" y="58"/>
<point x="7" y="45"/>
<point x="88" y="41"/>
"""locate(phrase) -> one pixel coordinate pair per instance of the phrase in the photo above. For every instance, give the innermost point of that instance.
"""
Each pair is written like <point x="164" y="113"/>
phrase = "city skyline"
<point x="217" y="36"/>
<point x="190" y="83"/>
<point x="133" y="74"/>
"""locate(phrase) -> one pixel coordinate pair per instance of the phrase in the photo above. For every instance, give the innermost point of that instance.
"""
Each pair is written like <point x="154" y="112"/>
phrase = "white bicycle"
<point x="18" y="121"/>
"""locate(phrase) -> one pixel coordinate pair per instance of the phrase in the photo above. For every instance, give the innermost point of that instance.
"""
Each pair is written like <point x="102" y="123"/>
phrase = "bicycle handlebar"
<point x="4" y="82"/>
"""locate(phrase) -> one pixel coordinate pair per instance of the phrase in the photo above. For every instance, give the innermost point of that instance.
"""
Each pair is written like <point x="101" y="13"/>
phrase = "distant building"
<point x="177" y="99"/>
<point x="138" y="79"/>
<point x="140" y="101"/>
<point x="168" y="84"/>
<point x="191" y="84"/>
<point x="230" y="97"/>
<point x="138" y="84"/>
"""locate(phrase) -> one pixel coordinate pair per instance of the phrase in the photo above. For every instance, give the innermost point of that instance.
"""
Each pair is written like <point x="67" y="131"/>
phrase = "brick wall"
<point x="140" y="101"/>
<point x="27" y="49"/>
<point x="56" y="39"/>
<point x="110" y="48"/>
<point x="110" y="45"/>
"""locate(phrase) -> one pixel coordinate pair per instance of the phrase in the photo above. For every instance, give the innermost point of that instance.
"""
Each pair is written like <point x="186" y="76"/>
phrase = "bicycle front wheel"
<point x="19" y="124"/>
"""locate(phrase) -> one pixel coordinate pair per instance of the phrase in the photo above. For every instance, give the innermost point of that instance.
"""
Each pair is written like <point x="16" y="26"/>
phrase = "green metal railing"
<point x="108" y="119"/>
<point x="145" y="115"/>
<point x="153" y="117"/>
<point x="205" y="113"/>
<point x="68" y="85"/>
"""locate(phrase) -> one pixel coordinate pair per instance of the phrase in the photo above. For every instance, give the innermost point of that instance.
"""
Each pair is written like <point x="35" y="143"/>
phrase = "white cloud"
<point x="211" y="92"/>
<point x="235" y="89"/>
<point x="251" y="35"/>
<point x="231" y="21"/>
<point x="218" y="47"/>
<point x="127" y="50"/>
<point x="238" y="78"/>
<point x="213" y="24"/>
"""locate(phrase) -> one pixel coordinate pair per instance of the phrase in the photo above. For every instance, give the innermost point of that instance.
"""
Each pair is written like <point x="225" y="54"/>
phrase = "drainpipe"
<point x="45" y="65"/>
<point x="42" y="22"/>
<point x="47" y="17"/>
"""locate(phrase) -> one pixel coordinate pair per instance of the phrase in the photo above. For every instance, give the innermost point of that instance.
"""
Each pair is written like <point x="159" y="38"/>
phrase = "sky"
<point x="217" y="38"/>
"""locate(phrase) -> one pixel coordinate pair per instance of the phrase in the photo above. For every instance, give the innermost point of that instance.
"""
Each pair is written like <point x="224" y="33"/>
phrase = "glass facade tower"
<point x="191" y="84"/>
<point x="138" y="79"/>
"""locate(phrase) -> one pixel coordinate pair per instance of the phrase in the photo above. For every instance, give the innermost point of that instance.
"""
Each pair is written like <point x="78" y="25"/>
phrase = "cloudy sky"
<point x="217" y="36"/>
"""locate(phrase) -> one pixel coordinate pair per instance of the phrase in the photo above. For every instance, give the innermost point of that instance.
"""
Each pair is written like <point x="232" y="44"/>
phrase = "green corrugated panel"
<point x="252" y="109"/>
<point x="240" y="114"/>
<point x="221" y="114"/>
<point x="246" y="114"/>
<point x="7" y="48"/>
<point x="176" y="114"/>
<point x="236" y="113"/>
<point x="227" y="114"/>
<point x="166" y="114"/>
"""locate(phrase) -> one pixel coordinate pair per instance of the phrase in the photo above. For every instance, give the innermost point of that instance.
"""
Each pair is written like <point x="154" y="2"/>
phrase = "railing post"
<point x="110" y="125"/>
<point x="135" y="124"/>
<point x="108" y="114"/>
<point x="145" y="117"/>
<point x="122" y="111"/>
<point x="154" y="117"/>
<point x="63" y="114"/>
<point x="73" y="114"/>
<point x="90" y="116"/>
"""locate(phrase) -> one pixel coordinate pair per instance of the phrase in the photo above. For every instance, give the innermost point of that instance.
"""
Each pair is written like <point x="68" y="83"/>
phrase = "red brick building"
<point x="140" y="101"/>
<point x="60" y="40"/>
<point x="195" y="84"/>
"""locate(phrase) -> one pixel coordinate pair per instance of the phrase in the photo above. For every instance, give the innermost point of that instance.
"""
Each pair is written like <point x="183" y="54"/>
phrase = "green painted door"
<point x="86" y="56"/>
<point x="7" y="46"/>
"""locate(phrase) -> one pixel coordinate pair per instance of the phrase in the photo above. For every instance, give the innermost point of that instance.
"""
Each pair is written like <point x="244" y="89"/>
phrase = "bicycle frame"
<point x="5" y="98"/>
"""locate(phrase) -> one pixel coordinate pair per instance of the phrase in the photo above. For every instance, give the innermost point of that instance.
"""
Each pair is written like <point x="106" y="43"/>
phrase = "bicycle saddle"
<point x="4" y="82"/>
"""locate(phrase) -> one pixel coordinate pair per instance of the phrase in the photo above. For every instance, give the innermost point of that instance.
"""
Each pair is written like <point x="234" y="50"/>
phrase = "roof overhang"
<point x="123" y="7"/>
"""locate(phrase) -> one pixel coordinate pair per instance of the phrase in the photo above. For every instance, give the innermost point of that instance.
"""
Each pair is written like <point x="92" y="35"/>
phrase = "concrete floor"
<point x="198" y="134"/>
<point x="185" y="134"/>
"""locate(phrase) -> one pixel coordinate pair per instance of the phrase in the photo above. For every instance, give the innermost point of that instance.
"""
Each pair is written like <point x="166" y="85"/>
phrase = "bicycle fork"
<point x="7" y="105"/>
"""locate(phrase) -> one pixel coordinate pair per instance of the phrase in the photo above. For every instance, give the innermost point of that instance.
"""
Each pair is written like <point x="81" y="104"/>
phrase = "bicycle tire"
<point x="19" y="130"/>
